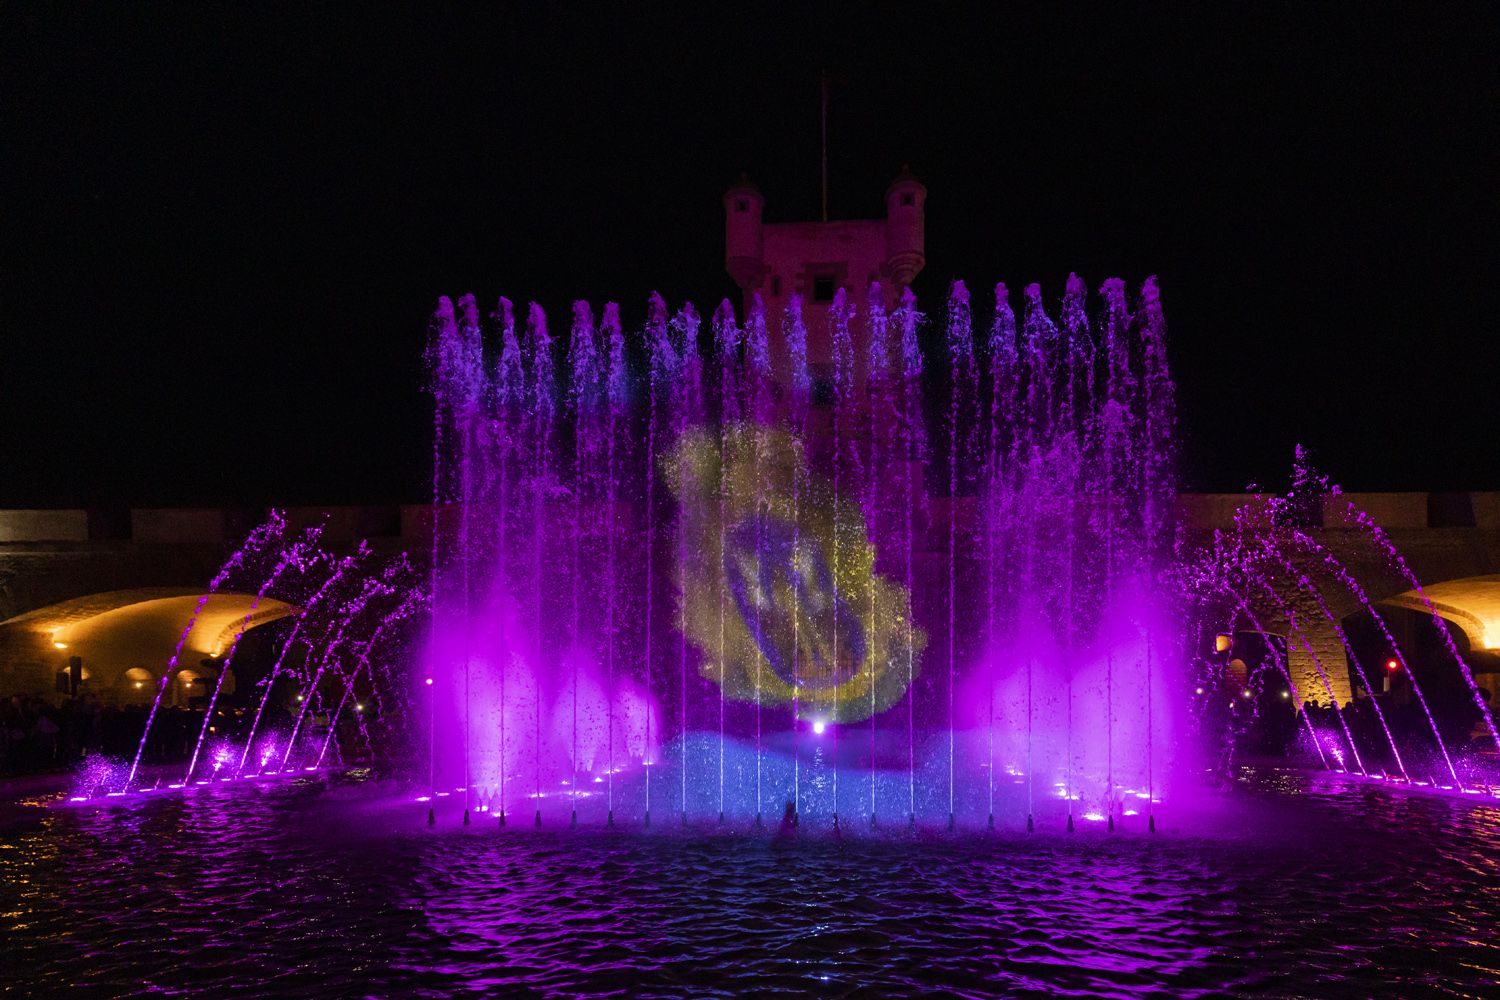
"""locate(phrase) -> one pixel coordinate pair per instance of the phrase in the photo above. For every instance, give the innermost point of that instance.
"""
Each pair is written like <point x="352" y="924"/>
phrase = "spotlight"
<point x="1393" y="665"/>
<point x="359" y="708"/>
<point x="1198" y="691"/>
<point x="1286" y="694"/>
<point x="819" y="726"/>
<point x="59" y="645"/>
<point x="429" y="682"/>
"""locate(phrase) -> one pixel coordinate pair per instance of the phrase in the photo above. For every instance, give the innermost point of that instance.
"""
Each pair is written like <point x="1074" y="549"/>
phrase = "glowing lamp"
<point x="1222" y="642"/>
<point x="1198" y="691"/>
<point x="1393" y="665"/>
<point x="1286" y="694"/>
<point x="359" y="708"/>
<point x="819" y="726"/>
<point x="429" y="682"/>
<point x="59" y="645"/>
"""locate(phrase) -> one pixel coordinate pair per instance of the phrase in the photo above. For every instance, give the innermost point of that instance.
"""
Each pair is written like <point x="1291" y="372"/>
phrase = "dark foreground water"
<point x="1295" y="886"/>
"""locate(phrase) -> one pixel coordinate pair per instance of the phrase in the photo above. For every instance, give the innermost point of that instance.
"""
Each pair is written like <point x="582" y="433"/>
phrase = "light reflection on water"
<point x="1307" y="886"/>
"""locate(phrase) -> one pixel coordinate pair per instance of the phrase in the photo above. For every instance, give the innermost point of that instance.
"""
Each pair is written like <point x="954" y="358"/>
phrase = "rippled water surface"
<point x="1294" y="887"/>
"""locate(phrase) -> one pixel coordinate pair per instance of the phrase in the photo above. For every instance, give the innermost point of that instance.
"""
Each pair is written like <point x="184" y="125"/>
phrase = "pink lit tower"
<point x="815" y="259"/>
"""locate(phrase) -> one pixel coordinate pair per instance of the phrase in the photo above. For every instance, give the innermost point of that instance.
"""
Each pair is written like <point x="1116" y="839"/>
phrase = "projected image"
<point x="779" y="590"/>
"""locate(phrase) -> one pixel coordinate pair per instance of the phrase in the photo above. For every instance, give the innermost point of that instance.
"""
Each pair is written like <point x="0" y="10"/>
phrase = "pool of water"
<point x="1292" y="885"/>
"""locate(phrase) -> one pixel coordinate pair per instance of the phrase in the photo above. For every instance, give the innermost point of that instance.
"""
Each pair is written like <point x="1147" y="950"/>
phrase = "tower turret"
<point x="743" y="257"/>
<point x="905" y="227"/>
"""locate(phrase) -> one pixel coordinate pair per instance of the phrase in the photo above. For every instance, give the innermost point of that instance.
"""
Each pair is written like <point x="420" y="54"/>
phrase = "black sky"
<point x="225" y="225"/>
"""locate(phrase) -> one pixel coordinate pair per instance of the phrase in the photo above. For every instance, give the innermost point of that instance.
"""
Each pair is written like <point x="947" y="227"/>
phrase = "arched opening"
<point x="137" y="686"/>
<point x="116" y="632"/>
<point x="191" y="687"/>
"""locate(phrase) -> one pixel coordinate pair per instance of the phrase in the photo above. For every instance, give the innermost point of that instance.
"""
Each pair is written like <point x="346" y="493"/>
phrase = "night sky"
<point x="225" y="225"/>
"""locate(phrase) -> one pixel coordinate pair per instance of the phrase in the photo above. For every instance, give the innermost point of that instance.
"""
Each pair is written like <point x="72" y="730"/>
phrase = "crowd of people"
<point x="38" y="736"/>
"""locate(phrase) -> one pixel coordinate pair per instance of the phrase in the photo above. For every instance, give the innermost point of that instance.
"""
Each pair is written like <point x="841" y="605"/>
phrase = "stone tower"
<point x="815" y="259"/>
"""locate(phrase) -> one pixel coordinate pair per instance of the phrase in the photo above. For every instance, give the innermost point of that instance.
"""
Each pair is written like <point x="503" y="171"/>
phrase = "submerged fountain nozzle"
<point x="431" y="816"/>
<point x="647" y="819"/>
<point x="952" y="823"/>
<point x="992" y="821"/>
<point x="466" y="817"/>
<point x="1030" y="824"/>
<point x="573" y="819"/>
<point x="1151" y="823"/>
<point x="1111" y="821"/>
<point x="609" y="820"/>
<point x="537" y="820"/>
<point x="502" y="819"/>
<point x="1070" y="822"/>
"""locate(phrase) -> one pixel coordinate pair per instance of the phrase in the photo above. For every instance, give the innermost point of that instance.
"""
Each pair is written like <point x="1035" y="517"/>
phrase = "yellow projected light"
<point x="785" y="603"/>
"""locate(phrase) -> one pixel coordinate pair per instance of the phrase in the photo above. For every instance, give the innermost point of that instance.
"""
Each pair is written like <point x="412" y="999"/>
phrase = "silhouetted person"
<point x="787" y="830"/>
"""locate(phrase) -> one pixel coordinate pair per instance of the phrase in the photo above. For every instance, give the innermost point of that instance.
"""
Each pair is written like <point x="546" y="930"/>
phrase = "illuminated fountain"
<point x="1272" y="575"/>
<point x="351" y="617"/>
<point x="711" y="579"/>
<point x="690" y="572"/>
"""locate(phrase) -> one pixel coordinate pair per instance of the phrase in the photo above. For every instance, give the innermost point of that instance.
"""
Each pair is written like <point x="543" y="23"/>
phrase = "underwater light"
<point x="819" y="726"/>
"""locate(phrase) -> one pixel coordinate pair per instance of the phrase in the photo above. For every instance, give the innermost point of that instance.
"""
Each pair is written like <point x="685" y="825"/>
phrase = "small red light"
<point x="1392" y="665"/>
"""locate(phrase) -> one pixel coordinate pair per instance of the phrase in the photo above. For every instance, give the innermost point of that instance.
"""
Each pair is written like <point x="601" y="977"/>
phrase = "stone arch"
<point x="118" y="632"/>
<point x="188" y="684"/>
<point x="1319" y="636"/>
<point x="136" y="685"/>
<point x="1472" y="603"/>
